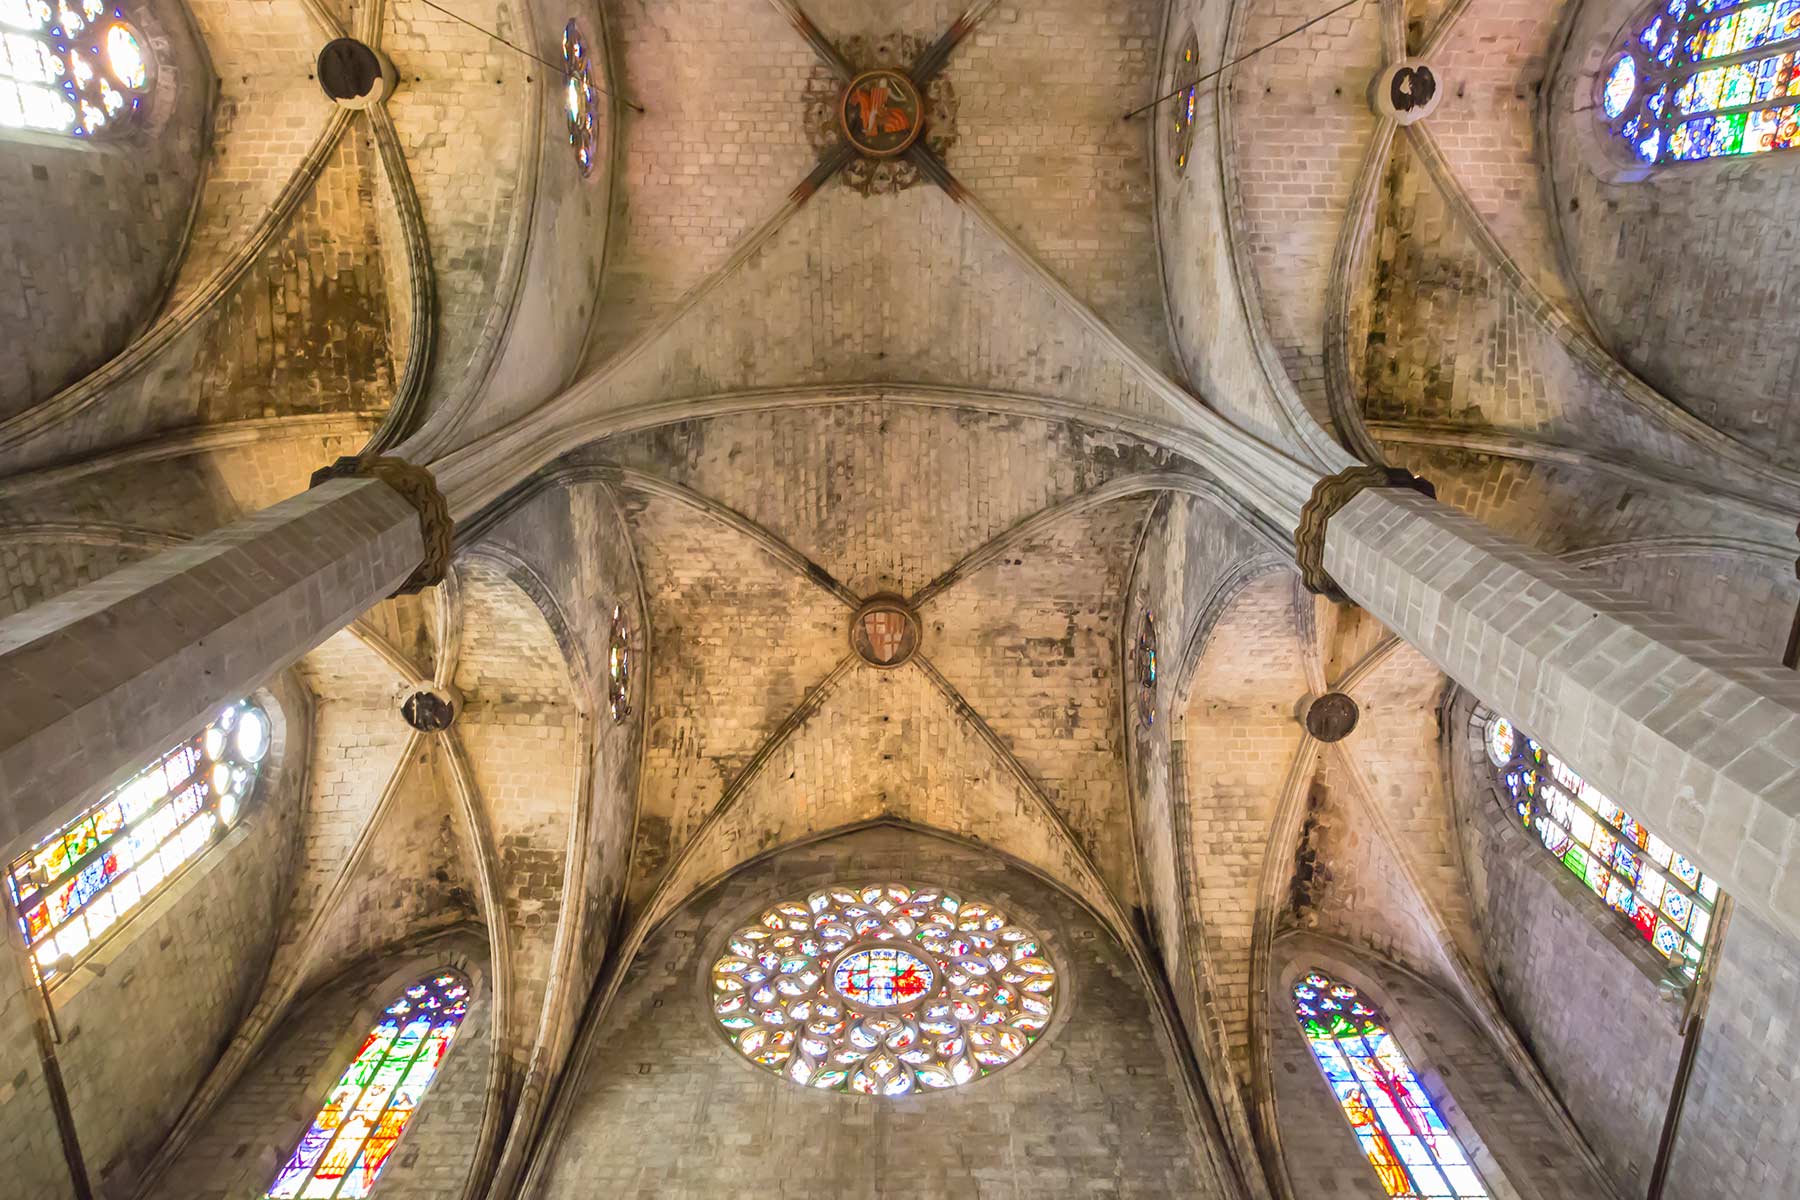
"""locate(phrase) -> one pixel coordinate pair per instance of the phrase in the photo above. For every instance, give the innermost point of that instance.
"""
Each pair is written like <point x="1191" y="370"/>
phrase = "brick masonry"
<point x="665" y="1107"/>
<point x="114" y="213"/>
<point x="246" y="1140"/>
<point x="1494" y="1117"/>
<point x="178" y="975"/>
<point x="1678" y="268"/>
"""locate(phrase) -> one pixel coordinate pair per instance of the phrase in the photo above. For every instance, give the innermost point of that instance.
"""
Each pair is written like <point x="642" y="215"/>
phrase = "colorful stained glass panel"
<point x="1395" y="1121"/>
<point x="883" y="989"/>
<point x="364" y="1114"/>
<point x="81" y="880"/>
<point x="1716" y="83"/>
<point x="1665" y="898"/>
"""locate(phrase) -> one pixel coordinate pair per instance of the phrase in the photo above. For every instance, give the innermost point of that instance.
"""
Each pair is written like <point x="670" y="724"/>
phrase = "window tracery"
<point x="883" y="989"/>
<point x="1396" y="1123"/>
<point x="1146" y="669"/>
<point x="1700" y="79"/>
<point x="73" y="67"/>
<point x="1665" y="898"/>
<point x="1187" y="102"/>
<point x="74" y="886"/>
<point x="618" y="667"/>
<point x="354" y="1134"/>
<point x="581" y="102"/>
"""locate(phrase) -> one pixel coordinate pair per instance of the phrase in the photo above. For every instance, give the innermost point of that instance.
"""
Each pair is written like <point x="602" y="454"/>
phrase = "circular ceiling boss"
<point x="883" y="989"/>
<point x="885" y="632"/>
<point x="881" y="113"/>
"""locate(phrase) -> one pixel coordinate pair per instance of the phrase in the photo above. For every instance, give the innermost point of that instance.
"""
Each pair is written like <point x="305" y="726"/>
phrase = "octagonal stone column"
<point x="100" y="679"/>
<point x="1688" y="731"/>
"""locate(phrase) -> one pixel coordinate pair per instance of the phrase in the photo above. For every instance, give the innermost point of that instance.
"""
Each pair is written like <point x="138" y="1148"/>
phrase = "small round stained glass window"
<point x="1621" y="84"/>
<point x="125" y="56"/>
<point x="883" y="989"/>
<point x="1501" y="741"/>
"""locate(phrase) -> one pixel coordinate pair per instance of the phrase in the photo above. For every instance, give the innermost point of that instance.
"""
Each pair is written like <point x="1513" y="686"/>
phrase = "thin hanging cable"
<point x="1234" y="62"/>
<point x="560" y="70"/>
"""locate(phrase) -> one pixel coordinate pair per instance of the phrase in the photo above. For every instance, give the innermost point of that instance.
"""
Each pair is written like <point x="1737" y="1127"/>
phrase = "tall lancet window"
<point x="1396" y="1124"/>
<point x="1667" y="900"/>
<point x="69" y="66"/>
<point x="369" y="1107"/>
<point x="76" y="886"/>
<point x="1699" y="79"/>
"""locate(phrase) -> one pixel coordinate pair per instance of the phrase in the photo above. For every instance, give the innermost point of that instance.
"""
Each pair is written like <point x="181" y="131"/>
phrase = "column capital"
<point x="418" y="487"/>
<point x="1328" y="496"/>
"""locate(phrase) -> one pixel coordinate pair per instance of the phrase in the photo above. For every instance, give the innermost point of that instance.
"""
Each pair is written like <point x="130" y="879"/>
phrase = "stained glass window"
<point x="1146" y="670"/>
<point x="1700" y="79"/>
<point x="76" y="884"/>
<point x="883" y="989"/>
<point x="1665" y="898"/>
<point x="1396" y="1124"/>
<point x="581" y="102"/>
<point x="366" y="1111"/>
<point x="69" y="66"/>
<point x="1187" y="102"/>
<point x="618" y="667"/>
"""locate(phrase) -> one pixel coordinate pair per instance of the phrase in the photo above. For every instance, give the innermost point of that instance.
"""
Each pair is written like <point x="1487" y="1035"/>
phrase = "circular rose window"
<point x="883" y="989"/>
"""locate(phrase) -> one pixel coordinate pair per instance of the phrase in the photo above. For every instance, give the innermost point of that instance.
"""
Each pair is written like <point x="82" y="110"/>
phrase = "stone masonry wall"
<point x="93" y="230"/>
<point x="1505" y="1133"/>
<point x="666" y="1107"/>
<point x="239" y="1148"/>
<point x="1683" y="270"/>
<point x="144" y="1018"/>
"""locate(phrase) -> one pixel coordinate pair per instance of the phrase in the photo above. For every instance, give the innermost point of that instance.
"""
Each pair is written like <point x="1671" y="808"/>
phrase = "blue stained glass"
<point x="365" y="1113"/>
<point x="1612" y="853"/>
<point x="1728" y="90"/>
<point x="1394" y="1120"/>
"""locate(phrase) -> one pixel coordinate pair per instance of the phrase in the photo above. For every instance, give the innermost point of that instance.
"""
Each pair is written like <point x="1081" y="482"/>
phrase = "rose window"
<point x="883" y="989"/>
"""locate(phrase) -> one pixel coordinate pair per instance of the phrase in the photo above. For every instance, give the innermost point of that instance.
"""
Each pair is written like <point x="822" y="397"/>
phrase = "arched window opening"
<point x="1146" y="671"/>
<point x="581" y="101"/>
<point x="618" y="667"/>
<point x="1667" y="899"/>
<point x="1396" y="1124"/>
<point x="367" y="1110"/>
<point x="76" y="885"/>
<point x="1187" y="102"/>
<point x="70" y="66"/>
<point x="1698" y="79"/>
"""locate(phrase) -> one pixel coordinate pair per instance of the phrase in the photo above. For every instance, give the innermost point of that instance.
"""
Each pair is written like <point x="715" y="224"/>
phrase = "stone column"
<point x="1686" y="730"/>
<point x="99" y="680"/>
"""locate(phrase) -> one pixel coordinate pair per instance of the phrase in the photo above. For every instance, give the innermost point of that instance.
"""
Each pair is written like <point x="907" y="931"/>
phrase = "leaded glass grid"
<point x="1664" y="898"/>
<point x="883" y="989"/>
<point x="1396" y="1122"/>
<point x="581" y="101"/>
<point x="1700" y="79"/>
<point x="1187" y="103"/>
<point x="1146" y="670"/>
<point x="73" y="67"/>
<point x="618" y="667"/>
<point x="354" y="1134"/>
<point x="75" y="885"/>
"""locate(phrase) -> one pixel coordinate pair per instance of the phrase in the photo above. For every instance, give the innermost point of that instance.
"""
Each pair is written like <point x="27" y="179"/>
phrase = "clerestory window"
<point x="1664" y="898"/>
<point x="1699" y="79"/>
<point x="1396" y="1123"/>
<point x="353" y="1136"/>
<point x="75" y="886"/>
<point x="72" y="67"/>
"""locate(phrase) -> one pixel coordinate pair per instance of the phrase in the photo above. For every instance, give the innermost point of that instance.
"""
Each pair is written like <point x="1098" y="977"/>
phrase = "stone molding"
<point x="417" y="487"/>
<point x="1330" y="495"/>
